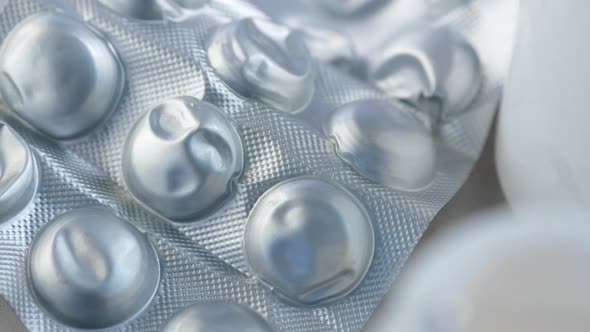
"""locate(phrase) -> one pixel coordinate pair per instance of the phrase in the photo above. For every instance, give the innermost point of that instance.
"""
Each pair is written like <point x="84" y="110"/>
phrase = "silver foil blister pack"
<point x="173" y="164"/>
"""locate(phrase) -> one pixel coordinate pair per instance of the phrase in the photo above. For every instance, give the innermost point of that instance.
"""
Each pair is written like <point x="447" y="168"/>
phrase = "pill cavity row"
<point x="256" y="59"/>
<point x="91" y="270"/>
<point x="308" y="239"/>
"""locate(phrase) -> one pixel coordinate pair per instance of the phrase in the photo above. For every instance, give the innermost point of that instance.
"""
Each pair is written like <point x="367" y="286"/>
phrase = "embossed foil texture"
<point x="168" y="163"/>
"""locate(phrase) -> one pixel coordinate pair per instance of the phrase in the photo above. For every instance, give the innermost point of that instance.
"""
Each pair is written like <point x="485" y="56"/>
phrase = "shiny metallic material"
<point x="238" y="9"/>
<point x="436" y="69"/>
<point x="310" y="240"/>
<point x="138" y="9"/>
<point x="316" y="239"/>
<point x="445" y="6"/>
<point x="19" y="175"/>
<point x="347" y="7"/>
<point x="182" y="159"/>
<point x="216" y="317"/>
<point x="178" y="10"/>
<point x="385" y="144"/>
<point x="60" y="75"/>
<point x="260" y="59"/>
<point x="154" y="10"/>
<point x="328" y="45"/>
<point x="91" y="270"/>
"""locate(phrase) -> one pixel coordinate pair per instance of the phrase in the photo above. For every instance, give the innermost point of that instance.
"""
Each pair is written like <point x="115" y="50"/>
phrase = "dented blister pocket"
<point x="167" y="165"/>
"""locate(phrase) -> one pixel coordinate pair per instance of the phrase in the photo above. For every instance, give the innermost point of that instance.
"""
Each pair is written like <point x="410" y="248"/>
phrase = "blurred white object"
<point x="500" y="273"/>
<point x="541" y="150"/>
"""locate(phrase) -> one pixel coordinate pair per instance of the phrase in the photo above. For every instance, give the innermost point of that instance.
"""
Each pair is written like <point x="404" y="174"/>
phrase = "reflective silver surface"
<point x="156" y="9"/>
<point x="310" y="240"/>
<point x="347" y="7"/>
<point x="385" y="144"/>
<point x="59" y="75"/>
<point x="19" y="176"/>
<point x="328" y="45"/>
<point x="182" y="159"/>
<point x="183" y="9"/>
<point x="216" y="317"/>
<point x="238" y="9"/>
<point x="91" y="270"/>
<point x="445" y="6"/>
<point x="138" y="9"/>
<point x="431" y="68"/>
<point x="260" y="59"/>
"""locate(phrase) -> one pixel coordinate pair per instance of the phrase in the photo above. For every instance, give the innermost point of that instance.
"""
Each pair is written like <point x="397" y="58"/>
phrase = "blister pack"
<point x="170" y="164"/>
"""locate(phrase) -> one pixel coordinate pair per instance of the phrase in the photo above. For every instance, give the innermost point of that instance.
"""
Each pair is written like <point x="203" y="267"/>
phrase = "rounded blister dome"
<point x="347" y="7"/>
<point x="182" y="159"/>
<point x="91" y="270"/>
<point x="383" y="143"/>
<point x="328" y="45"/>
<point x="310" y="240"/>
<point x="216" y="317"/>
<point x="60" y="75"/>
<point x="434" y="69"/>
<point x="259" y="59"/>
<point x="19" y="175"/>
